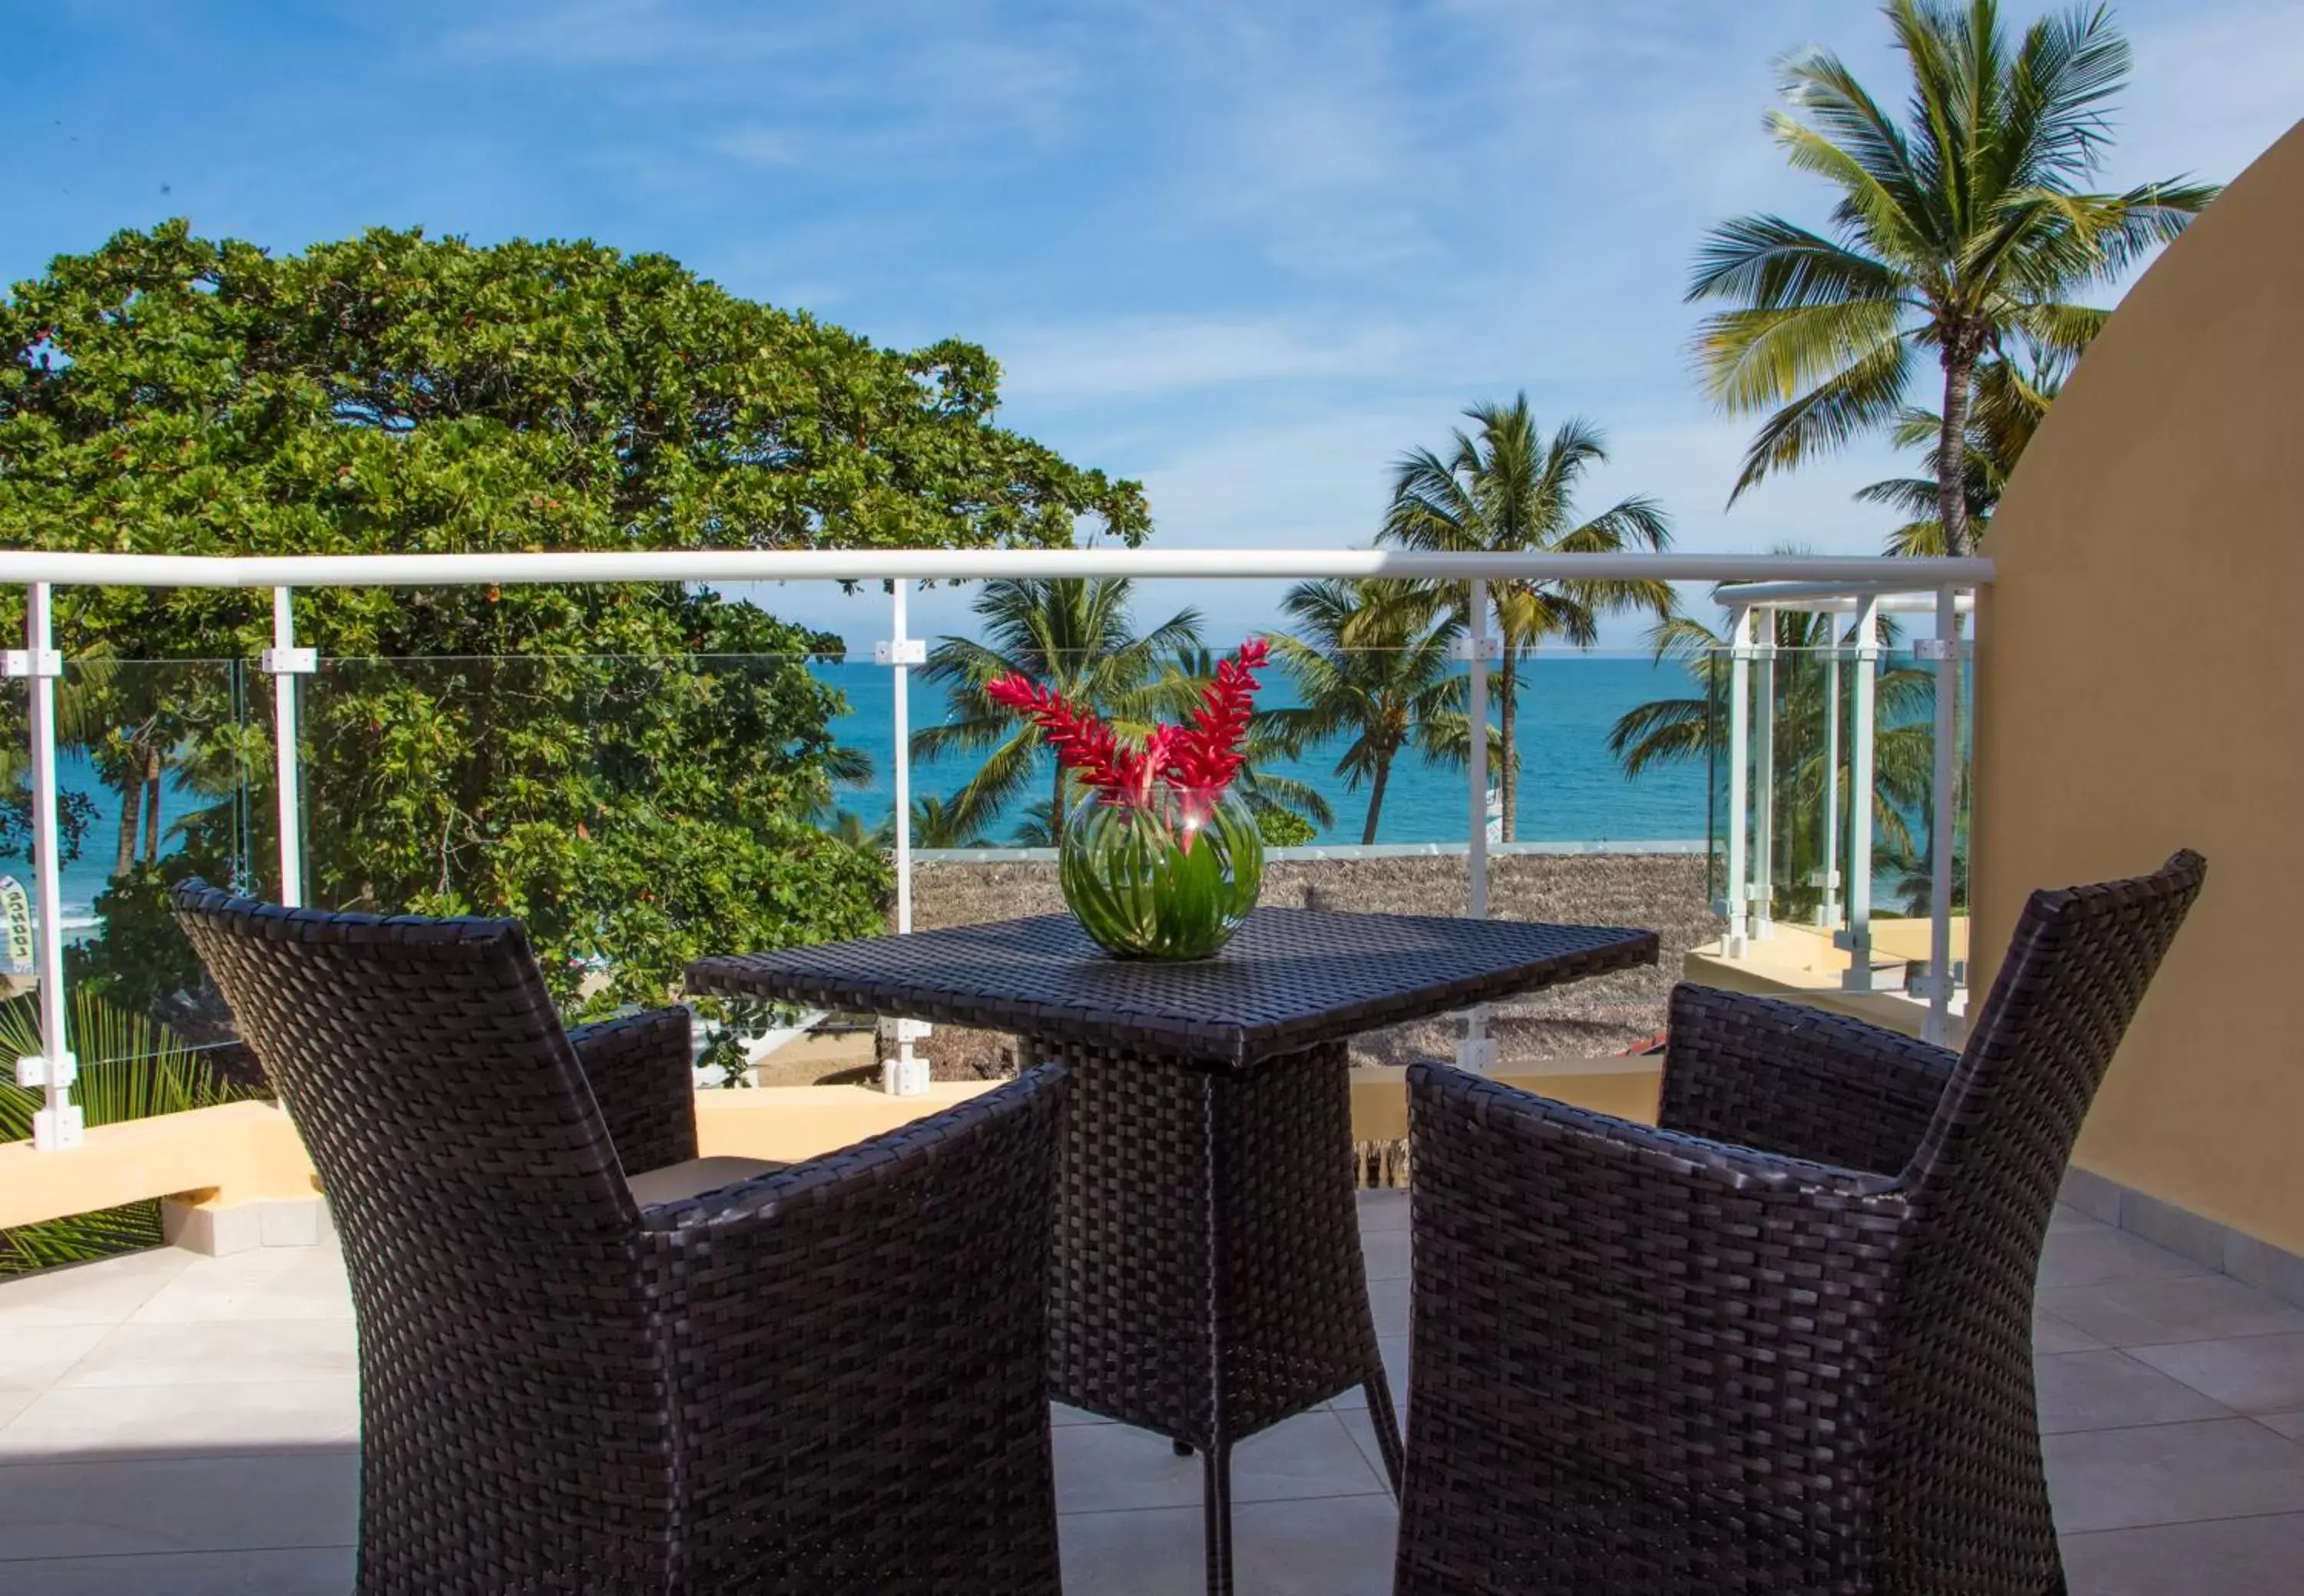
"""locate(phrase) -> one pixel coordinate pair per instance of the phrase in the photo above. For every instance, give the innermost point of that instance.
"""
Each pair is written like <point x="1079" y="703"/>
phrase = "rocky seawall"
<point x="1664" y="893"/>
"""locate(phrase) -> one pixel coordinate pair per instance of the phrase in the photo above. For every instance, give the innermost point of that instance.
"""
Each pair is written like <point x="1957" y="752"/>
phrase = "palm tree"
<point x="2010" y="402"/>
<point x="1666" y="731"/>
<point x="1374" y="664"/>
<point x="1072" y="633"/>
<point x="1964" y="231"/>
<point x="938" y="824"/>
<point x="1505" y="491"/>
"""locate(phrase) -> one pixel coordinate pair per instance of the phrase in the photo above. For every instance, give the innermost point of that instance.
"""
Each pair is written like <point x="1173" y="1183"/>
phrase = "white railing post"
<point x="1475" y="722"/>
<point x="905" y="1075"/>
<point x="1827" y="915"/>
<point x="58" y="1123"/>
<point x="1942" y="806"/>
<point x="1740" y="753"/>
<point x="1476" y="1050"/>
<point x="1764" y="774"/>
<point x="1858" y="938"/>
<point x="284" y="661"/>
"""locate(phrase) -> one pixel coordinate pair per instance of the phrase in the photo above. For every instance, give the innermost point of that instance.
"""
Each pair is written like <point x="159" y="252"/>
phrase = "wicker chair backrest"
<point x="424" y="1066"/>
<point x="2076" y="971"/>
<point x="494" y="1251"/>
<point x="1983" y="1185"/>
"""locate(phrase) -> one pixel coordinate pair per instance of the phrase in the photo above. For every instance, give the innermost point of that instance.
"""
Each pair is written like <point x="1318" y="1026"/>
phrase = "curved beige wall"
<point x="2141" y="688"/>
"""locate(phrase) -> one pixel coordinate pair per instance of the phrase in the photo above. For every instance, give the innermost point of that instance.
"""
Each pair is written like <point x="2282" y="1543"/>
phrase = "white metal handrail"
<point x="1847" y="573"/>
<point x="1762" y="582"/>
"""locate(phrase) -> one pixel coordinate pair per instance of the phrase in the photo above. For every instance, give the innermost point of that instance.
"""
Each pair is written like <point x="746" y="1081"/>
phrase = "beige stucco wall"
<point x="2141" y="689"/>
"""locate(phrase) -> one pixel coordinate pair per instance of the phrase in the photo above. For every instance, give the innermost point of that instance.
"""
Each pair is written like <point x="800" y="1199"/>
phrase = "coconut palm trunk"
<point x="132" y="795"/>
<point x="1383" y="779"/>
<point x="152" y="807"/>
<point x="1951" y="445"/>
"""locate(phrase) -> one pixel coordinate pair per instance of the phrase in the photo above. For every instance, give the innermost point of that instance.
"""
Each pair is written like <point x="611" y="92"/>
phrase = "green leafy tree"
<point x="629" y="768"/>
<point x="1962" y="232"/>
<point x="1283" y="828"/>
<point x="1504" y="489"/>
<point x="1375" y="667"/>
<point x="1073" y="634"/>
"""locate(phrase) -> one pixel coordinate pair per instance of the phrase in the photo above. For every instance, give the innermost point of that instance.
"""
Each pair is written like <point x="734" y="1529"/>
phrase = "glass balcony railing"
<point x="1824" y="824"/>
<point x="638" y="811"/>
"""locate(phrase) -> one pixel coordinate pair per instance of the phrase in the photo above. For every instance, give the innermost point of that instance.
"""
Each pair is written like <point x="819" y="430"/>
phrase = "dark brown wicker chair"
<point x="1785" y="1342"/>
<point x="824" y="1379"/>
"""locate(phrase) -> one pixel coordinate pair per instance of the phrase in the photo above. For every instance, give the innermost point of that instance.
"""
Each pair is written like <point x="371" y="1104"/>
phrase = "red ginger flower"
<point x="1208" y="755"/>
<point x="1202" y="757"/>
<point x="1083" y="744"/>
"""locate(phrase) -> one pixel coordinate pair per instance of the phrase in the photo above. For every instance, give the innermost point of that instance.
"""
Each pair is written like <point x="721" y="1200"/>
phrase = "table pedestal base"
<point x="1206" y="1279"/>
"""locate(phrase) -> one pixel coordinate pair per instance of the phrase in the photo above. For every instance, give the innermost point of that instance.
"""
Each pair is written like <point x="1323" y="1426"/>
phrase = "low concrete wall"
<point x="234" y="1176"/>
<point x="238" y="1152"/>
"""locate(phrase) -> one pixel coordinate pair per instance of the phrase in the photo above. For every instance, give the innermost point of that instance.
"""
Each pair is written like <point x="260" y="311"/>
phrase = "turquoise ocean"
<point x="1573" y="789"/>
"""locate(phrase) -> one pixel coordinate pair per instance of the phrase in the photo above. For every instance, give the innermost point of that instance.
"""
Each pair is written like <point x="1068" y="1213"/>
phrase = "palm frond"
<point x="1825" y="418"/>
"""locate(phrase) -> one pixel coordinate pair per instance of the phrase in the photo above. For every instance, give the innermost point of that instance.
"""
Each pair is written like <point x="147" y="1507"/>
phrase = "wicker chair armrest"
<point x="876" y="1308"/>
<point x="1447" y="1104"/>
<point x="639" y="1067"/>
<point x="1788" y="1078"/>
<point x="1633" y="1314"/>
<point x="859" y="1173"/>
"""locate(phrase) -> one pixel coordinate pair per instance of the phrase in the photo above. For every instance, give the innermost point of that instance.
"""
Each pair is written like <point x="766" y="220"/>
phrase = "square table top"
<point x="1291" y="979"/>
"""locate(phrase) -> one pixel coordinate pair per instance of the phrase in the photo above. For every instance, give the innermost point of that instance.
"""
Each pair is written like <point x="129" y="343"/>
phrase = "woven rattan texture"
<point x="1291" y="979"/>
<point x="642" y="1076"/>
<point x="1207" y="1279"/>
<point x="826" y="1380"/>
<point x="1788" y="1078"/>
<point x="1649" y="1359"/>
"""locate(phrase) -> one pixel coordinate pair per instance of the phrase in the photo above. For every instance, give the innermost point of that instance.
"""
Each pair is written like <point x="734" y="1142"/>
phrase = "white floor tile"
<point x="102" y="1293"/>
<point x="113" y="1422"/>
<point x="220" y="1353"/>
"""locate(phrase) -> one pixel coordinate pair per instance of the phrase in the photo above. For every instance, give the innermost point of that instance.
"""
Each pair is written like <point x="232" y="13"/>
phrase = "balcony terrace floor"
<point x="174" y="1425"/>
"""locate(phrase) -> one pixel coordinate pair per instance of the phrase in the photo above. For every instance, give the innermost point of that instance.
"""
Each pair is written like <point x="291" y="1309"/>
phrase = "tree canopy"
<point x="1960" y="230"/>
<point x="627" y="768"/>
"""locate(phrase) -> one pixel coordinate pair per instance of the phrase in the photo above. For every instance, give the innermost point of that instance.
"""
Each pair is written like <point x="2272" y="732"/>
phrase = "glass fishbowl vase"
<point x="1170" y="877"/>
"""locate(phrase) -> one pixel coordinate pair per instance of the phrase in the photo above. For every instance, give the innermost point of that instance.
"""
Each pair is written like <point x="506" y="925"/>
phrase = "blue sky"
<point x="1247" y="253"/>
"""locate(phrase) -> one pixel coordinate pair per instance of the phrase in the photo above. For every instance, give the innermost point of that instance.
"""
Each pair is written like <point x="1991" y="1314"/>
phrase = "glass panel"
<point x="636" y="813"/>
<point x="152" y="771"/>
<point x="19" y="886"/>
<point x="1808" y="755"/>
<point x="1903" y="858"/>
<point x="1712" y="670"/>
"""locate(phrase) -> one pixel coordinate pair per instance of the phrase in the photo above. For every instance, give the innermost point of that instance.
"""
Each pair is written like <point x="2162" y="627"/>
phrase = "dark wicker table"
<point x="1206" y="1280"/>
